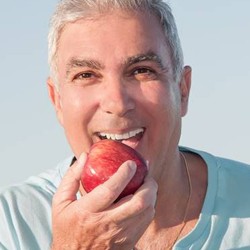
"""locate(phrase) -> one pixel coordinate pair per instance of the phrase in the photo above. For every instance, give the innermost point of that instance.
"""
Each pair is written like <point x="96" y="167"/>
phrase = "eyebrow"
<point x="78" y="62"/>
<point x="96" y="65"/>
<point x="150" y="56"/>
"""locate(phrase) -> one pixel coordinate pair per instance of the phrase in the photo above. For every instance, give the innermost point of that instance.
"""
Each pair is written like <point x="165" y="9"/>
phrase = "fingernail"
<point x="132" y="166"/>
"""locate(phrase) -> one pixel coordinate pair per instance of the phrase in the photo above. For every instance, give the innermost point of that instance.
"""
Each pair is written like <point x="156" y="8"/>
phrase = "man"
<point x="117" y="71"/>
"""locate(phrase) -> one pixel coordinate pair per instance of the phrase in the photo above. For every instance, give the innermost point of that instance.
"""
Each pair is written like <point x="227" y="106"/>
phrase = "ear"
<point x="55" y="99"/>
<point x="185" y="86"/>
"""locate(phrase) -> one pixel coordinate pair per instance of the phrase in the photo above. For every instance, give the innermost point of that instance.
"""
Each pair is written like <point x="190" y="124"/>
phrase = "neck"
<point x="176" y="195"/>
<point x="174" y="190"/>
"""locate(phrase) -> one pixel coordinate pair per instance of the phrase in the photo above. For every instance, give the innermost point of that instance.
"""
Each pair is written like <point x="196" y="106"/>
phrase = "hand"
<point x="94" y="221"/>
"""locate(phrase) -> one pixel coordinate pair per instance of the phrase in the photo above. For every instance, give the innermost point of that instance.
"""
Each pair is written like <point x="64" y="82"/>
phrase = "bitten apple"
<point x="104" y="159"/>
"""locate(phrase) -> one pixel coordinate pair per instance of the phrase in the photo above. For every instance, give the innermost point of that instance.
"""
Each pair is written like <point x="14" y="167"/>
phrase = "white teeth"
<point x="122" y="136"/>
<point x="112" y="136"/>
<point x="118" y="137"/>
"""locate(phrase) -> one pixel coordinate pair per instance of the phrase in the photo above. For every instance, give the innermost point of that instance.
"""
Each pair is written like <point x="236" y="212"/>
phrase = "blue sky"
<point x="215" y="37"/>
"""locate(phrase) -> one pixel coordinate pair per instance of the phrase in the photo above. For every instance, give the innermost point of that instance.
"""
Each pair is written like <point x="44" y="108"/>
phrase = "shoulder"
<point x="233" y="167"/>
<point x="225" y="215"/>
<point x="25" y="208"/>
<point x="234" y="182"/>
<point x="229" y="172"/>
<point x="228" y="183"/>
<point x="228" y="180"/>
<point x="222" y="165"/>
<point x="46" y="183"/>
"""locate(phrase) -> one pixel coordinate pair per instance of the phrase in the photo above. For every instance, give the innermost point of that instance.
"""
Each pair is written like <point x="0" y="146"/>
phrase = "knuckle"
<point x="139" y="204"/>
<point x="107" y="193"/>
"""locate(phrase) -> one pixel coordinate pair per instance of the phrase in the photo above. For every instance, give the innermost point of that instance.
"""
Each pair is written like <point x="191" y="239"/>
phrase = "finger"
<point x="69" y="186"/>
<point x="144" y="198"/>
<point x="105" y="194"/>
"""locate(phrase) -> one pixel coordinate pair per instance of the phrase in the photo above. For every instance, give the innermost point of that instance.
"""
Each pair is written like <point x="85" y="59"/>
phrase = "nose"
<point x="116" y="98"/>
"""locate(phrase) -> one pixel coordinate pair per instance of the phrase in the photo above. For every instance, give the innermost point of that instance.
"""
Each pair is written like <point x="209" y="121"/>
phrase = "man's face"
<point x="115" y="81"/>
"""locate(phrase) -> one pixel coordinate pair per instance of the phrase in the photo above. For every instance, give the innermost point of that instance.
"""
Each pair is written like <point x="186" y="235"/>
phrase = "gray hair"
<point x="68" y="11"/>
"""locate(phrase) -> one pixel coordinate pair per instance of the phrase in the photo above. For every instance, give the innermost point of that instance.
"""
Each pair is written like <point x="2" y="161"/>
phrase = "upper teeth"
<point x="122" y="136"/>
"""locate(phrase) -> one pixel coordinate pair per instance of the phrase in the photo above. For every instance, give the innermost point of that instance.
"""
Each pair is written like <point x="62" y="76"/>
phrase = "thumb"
<point x="69" y="186"/>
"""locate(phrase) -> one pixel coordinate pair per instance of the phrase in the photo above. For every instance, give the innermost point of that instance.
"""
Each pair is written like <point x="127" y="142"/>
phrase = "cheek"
<point x="73" y="107"/>
<point x="161" y="98"/>
<point x="77" y="111"/>
<point x="163" y="109"/>
<point x="77" y="103"/>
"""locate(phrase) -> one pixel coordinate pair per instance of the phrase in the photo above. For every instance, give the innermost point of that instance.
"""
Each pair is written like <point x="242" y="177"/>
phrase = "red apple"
<point x="104" y="159"/>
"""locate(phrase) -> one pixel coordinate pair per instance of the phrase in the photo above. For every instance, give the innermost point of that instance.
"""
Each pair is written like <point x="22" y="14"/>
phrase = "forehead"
<point x="115" y="35"/>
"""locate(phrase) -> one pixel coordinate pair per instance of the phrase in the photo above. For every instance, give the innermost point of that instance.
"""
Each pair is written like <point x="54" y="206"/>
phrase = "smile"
<point x="138" y="133"/>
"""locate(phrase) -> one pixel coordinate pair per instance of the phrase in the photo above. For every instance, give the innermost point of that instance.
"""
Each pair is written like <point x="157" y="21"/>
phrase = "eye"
<point x="86" y="78"/>
<point x="85" y="75"/>
<point x="144" y="74"/>
<point x="142" y="71"/>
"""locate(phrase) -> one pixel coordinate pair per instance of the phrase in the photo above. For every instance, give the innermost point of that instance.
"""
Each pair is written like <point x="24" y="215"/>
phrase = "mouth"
<point x="130" y="138"/>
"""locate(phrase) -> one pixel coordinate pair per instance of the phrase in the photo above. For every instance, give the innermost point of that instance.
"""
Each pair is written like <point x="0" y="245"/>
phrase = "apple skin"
<point x="104" y="159"/>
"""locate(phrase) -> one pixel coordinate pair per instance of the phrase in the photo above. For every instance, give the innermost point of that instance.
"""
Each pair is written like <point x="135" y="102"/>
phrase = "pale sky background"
<point x="215" y="36"/>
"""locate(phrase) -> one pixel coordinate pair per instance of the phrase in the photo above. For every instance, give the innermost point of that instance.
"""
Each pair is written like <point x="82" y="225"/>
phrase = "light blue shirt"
<point x="25" y="211"/>
<point x="224" y="223"/>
